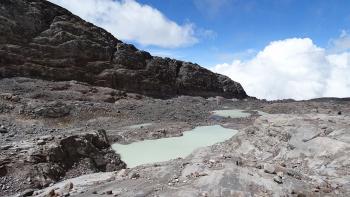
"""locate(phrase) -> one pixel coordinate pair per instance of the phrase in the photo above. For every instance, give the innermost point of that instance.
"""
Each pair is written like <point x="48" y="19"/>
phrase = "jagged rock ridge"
<point x="41" y="40"/>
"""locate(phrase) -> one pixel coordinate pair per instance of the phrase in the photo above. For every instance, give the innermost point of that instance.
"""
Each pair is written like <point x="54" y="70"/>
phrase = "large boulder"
<point x="41" y="40"/>
<point x="49" y="159"/>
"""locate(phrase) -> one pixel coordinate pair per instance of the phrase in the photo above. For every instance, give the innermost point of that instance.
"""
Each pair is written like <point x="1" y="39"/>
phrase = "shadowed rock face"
<point x="41" y="40"/>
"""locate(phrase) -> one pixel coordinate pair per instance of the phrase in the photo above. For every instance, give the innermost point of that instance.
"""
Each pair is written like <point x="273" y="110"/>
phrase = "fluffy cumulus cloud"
<point x="131" y="21"/>
<point x="342" y="43"/>
<point x="292" y="68"/>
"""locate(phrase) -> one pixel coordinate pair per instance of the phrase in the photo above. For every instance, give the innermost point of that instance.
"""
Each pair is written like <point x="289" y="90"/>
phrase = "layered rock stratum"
<point x="39" y="39"/>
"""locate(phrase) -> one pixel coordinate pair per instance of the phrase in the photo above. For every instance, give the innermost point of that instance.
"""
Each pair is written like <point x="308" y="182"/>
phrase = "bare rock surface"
<point x="41" y="40"/>
<point x="274" y="160"/>
<point x="45" y="160"/>
<point x="49" y="128"/>
<point x="299" y="148"/>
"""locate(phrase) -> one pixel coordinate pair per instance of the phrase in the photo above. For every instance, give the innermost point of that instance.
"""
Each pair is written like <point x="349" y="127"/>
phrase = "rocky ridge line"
<point x="41" y="40"/>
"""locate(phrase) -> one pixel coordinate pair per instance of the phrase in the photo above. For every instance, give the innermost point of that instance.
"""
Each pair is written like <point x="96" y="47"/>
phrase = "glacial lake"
<point x="159" y="150"/>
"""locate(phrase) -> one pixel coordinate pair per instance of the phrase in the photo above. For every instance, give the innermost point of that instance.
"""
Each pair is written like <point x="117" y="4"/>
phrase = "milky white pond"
<point x="150" y="151"/>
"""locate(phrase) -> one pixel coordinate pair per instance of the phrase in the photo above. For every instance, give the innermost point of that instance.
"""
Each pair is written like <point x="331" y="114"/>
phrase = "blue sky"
<point x="277" y="49"/>
<point x="240" y="25"/>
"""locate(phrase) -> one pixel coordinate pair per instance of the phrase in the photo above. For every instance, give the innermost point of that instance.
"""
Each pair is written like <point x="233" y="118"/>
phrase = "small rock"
<point x="51" y="192"/>
<point x="3" y="170"/>
<point x="268" y="168"/>
<point x="339" y="112"/>
<point x="6" y="147"/>
<point x="68" y="187"/>
<point x="259" y="166"/>
<point x="140" y="194"/>
<point x="239" y="162"/>
<point x="327" y="190"/>
<point x="292" y="191"/>
<point x="294" y="174"/>
<point x="109" y="192"/>
<point x="277" y="179"/>
<point x="197" y="174"/>
<point x="3" y="130"/>
<point x="15" y="98"/>
<point x="122" y="173"/>
<point x="47" y="138"/>
<point x="94" y="192"/>
<point x="280" y="174"/>
<point x="135" y="175"/>
<point x="27" y="192"/>
<point x="41" y="142"/>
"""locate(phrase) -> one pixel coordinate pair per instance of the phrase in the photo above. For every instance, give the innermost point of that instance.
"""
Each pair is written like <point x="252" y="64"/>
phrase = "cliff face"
<point x="41" y="40"/>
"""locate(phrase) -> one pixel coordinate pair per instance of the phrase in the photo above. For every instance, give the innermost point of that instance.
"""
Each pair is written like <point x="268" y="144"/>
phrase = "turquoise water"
<point x="151" y="151"/>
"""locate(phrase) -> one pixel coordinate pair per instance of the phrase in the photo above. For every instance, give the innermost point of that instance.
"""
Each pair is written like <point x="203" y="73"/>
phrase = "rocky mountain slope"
<point x="39" y="39"/>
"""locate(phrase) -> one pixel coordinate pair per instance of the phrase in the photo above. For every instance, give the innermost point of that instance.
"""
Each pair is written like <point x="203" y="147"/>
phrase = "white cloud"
<point x="292" y="68"/>
<point x="129" y="20"/>
<point x="338" y="84"/>
<point x="342" y="43"/>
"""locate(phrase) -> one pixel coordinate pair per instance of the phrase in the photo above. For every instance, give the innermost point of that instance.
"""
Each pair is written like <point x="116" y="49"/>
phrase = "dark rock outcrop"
<point x="41" y="40"/>
<point x="53" y="110"/>
<point x="48" y="159"/>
